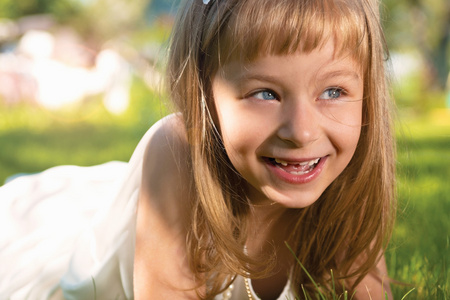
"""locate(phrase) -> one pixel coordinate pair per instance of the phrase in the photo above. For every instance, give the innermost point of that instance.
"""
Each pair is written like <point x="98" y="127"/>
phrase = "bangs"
<point x="269" y="27"/>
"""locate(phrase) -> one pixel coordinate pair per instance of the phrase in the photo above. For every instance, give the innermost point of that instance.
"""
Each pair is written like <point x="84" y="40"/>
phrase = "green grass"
<point x="32" y="139"/>
<point x="419" y="253"/>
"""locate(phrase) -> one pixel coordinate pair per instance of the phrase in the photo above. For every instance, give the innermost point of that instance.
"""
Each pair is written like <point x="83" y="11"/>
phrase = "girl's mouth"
<point x="295" y="168"/>
<point x="296" y="172"/>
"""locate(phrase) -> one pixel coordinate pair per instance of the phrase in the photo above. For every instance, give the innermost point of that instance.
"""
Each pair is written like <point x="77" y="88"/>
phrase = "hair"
<point x="347" y="229"/>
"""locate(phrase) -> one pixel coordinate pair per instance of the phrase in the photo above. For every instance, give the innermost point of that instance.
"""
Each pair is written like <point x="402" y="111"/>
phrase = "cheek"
<point x="345" y="132"/>
<point x="237" y="134"/>
<point x="353" y="140"/>
<point x="350" y="143"/>
<point x="238" y="124"/>
<point x="343" y="114"/>
<point x="241" y="133"/>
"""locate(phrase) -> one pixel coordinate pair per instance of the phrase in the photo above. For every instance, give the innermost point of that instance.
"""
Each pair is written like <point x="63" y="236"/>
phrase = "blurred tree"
<point x="101" y="20"/>
<point x="423" y="25"/>
<point x="95" y="20"/>
<point x="60" y="9"/>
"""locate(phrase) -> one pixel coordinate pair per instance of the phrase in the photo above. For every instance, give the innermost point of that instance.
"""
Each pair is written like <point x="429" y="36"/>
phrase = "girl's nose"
<point x="299" y="124"/>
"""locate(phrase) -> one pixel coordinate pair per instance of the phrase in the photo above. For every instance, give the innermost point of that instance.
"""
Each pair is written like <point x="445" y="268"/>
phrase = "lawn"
<point x="32" y="139"/>
<point x="419" y="254"/>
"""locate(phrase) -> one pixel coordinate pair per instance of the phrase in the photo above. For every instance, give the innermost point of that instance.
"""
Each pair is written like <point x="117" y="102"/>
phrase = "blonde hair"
<point x="353" y="218"/>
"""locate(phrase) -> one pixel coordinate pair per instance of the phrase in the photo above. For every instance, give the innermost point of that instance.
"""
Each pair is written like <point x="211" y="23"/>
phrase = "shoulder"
<point x="375" y="284"/>
<point x="167" y="139"/>
<point x="165" y="173"/>
<point x="167" y="134"/>
<point x="161" y="267"/>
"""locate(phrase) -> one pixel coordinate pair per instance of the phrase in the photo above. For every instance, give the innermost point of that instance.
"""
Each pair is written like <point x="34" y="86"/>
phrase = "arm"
<point x="375" y="284"/>
<point x="161" y="269"/>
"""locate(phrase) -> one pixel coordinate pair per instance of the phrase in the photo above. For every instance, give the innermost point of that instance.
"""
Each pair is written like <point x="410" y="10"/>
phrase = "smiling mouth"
<point x="294" y="168"/>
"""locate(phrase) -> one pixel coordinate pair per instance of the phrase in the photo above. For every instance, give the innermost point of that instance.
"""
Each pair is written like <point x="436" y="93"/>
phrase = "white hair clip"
<point x="206" y="1"/>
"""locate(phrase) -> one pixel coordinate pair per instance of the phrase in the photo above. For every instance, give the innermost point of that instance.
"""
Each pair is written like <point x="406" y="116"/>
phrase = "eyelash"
<point x="268" y="91"/>
<point x="340" y="90"/>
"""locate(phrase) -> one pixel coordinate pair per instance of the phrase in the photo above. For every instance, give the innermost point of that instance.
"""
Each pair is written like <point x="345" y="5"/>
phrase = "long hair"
<point x="348" y="227"/>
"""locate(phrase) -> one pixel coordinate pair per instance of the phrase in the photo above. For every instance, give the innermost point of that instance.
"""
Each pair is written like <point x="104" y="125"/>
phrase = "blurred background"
<point x="80" y="83"/>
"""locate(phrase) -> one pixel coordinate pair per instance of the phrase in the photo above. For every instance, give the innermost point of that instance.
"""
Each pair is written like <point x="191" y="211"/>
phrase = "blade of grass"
<point x="408" y="293"/>
<point x="307" y="273"/>
<point x="332" y="282"/>
<point x="304" y="292"/>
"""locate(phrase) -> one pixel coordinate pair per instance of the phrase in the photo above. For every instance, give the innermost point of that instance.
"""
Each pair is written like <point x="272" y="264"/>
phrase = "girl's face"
<point x="290" y="124"/>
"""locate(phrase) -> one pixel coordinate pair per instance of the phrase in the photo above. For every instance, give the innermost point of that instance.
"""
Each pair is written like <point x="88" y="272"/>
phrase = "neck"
<point x="266" y="235"/>
<point x="266" y="229"/>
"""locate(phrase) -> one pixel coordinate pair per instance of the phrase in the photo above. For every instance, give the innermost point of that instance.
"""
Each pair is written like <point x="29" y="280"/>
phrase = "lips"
<point x="301" y="171"/>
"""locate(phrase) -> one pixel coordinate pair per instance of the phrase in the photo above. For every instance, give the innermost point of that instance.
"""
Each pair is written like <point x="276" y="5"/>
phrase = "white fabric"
<point x="69" y="232"/>
<point x="239" y="292"/>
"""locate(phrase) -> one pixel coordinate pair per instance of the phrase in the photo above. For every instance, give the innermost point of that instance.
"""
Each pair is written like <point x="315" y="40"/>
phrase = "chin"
<point x="303" y="200"/>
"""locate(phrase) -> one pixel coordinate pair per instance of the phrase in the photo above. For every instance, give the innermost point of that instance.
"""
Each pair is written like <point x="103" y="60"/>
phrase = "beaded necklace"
<point x="226" y="295"/>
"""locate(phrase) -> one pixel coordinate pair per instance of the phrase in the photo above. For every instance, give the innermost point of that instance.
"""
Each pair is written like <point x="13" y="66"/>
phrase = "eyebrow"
<point x="340" y="73"/>
<point x="320" y="76"/>
<point x="258" y="77"/>
<point x="248" y="73"/>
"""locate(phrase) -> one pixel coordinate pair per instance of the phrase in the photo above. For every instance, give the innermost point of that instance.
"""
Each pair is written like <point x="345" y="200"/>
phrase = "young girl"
<point x="277" y="168"/>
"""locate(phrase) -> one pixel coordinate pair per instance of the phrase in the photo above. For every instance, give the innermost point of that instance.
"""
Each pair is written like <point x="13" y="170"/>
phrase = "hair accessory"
<point x="206" y="1"/>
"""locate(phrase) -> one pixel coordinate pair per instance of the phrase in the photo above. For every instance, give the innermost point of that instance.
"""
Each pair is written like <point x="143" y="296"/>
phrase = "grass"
<point x="32" y="139"/>
<point x="419" y="251"/>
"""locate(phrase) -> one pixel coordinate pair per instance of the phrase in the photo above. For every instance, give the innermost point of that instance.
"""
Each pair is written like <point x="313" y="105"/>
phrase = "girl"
<point x="278" y="166"/>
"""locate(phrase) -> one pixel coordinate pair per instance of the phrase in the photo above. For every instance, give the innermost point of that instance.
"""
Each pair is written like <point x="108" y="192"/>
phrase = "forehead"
<point x="316" y="64"/>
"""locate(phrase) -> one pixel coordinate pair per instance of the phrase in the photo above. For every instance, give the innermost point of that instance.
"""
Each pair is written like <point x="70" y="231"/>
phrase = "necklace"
<point x="226" y="295"/>
<point x="247" y="287"/>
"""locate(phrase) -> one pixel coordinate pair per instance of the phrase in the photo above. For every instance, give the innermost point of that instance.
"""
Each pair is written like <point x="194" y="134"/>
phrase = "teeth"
<point x="282" y="162"/>
<point x="309" y="163"/>
<point x="312" y="162"/>
<point x="300" y="172"/>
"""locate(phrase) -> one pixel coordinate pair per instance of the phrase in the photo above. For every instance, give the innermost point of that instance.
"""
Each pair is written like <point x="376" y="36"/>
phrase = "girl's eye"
<point x="264" y="95"/>
<point x="332" y="93"/>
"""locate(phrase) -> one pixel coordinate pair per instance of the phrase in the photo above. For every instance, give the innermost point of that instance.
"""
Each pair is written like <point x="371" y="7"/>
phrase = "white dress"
<point x="239" y="292"/>
<point x="69" y="233"/>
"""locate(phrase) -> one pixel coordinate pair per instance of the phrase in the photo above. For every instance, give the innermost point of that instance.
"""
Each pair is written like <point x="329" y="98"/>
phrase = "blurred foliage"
<point x="102" y="20"/>
<point x="414" y="97"/>
<point x="60" y="9"/>
<point x="423" y="26"/>
<point x="96" y="21"/>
